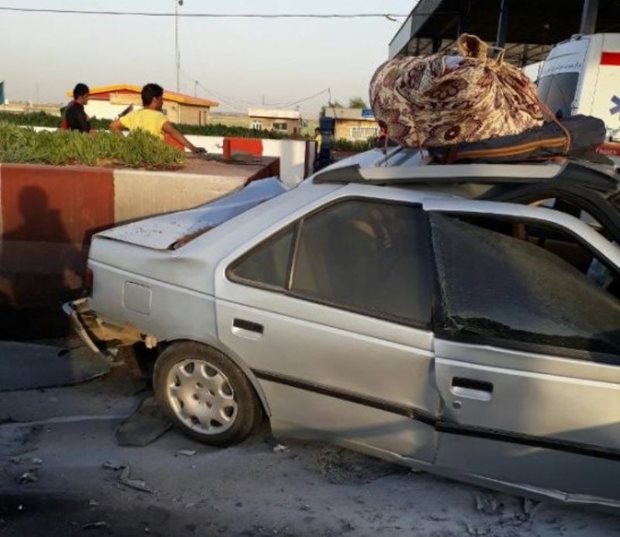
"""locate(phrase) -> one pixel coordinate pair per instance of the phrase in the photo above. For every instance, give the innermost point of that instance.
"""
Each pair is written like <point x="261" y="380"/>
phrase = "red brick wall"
<point x="48" y="216"/>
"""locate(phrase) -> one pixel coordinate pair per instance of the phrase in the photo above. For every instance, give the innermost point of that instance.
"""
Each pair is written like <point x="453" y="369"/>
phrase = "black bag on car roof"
<point x="577" y="136"/>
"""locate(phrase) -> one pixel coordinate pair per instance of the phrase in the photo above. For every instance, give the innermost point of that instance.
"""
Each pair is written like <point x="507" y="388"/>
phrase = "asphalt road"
<point x="60" y="475"/>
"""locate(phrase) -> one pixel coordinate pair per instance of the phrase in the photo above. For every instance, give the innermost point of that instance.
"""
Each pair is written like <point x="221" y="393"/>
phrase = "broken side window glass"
<point x="499" y="287"/>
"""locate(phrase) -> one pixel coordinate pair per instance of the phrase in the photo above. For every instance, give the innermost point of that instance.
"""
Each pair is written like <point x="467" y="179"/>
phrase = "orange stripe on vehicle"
<point x="513" y="150"/>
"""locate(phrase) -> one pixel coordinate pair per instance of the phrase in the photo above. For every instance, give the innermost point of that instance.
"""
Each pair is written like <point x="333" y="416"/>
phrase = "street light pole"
<point x="177" y="52"/>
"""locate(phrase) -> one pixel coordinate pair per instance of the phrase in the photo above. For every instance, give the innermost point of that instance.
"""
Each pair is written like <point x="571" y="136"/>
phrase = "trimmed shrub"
<point x="354" y="147"/>
<point x="42" y="119"/>
<point x="137" y="150"/>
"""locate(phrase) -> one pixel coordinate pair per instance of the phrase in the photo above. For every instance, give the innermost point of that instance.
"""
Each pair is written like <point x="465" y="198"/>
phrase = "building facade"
<point x="107" y="102"/>
<point x="353" y="124"/>
<point x="287" y="122"/>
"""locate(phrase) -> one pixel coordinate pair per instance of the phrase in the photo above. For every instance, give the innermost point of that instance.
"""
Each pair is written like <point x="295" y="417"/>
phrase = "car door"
<point x="332" y="313"/>
<point x="528" y="351"/>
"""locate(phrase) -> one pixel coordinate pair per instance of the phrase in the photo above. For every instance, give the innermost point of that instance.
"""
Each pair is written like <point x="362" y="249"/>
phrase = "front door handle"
<point x="479" y="390"/>
<point x="243" y="327"/>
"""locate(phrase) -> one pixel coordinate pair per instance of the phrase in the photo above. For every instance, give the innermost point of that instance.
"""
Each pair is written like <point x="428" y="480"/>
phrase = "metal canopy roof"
<point x="533" y="27"/>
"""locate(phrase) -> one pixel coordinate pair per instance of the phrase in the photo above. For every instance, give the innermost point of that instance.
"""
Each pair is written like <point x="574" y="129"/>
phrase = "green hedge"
<point x="33" y="119"/>
<point x="355" y="147"/>
<point x="42" y="119"/>
<point x="225" y="130"/>
<point x="138" y="150"/>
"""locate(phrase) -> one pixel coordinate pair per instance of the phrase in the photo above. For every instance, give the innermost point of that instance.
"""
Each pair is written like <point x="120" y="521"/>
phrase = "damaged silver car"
<point x="461" y="319"/>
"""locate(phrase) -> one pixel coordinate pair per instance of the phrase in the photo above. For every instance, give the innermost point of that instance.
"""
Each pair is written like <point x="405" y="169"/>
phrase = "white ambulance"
<point x="582" y="76"/>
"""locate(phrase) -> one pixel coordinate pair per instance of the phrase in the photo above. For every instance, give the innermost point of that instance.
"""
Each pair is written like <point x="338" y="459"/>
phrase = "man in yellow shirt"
<point x="152" y="119"/>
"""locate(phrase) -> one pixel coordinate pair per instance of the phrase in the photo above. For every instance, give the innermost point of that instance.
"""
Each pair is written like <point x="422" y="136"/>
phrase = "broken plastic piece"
<point x="136" y="484"/>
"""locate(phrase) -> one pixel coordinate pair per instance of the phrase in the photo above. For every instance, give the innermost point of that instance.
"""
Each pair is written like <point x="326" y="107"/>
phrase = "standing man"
<point x="318" y="140"/>
<point x="152" y="119"/>
<point x="75" y="116"/>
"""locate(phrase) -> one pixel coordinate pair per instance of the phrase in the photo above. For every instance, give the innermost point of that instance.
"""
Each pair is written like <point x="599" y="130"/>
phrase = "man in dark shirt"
<point x="75" y="116"/>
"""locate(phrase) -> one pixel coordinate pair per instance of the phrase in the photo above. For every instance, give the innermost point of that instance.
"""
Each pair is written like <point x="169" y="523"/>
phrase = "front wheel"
<point x="205" y="394"/>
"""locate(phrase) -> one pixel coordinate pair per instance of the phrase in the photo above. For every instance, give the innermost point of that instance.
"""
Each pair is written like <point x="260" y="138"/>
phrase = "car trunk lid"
<point x="173" y="230"/>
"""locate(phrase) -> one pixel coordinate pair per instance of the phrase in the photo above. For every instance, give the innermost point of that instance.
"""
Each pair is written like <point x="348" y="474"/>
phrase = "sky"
<point x="238" y="62"/>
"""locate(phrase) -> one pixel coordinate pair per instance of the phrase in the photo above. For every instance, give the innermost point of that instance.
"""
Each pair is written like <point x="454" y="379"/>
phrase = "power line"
<point x="314" y="96"/>
<point x="389" y="16"/>
<point x="230" y="103"/>
<point x="236" y="103"/>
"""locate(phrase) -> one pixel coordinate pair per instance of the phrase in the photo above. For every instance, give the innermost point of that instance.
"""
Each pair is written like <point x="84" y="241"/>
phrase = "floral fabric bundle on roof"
<point x="442" y="100"/>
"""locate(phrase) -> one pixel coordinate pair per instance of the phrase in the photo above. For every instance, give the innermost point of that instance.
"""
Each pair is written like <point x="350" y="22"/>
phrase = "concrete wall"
<point x="296" y="156"/>
<point x="177" y="113"/>
<point x="48" y="215"/>
<point x="104" y="109"/>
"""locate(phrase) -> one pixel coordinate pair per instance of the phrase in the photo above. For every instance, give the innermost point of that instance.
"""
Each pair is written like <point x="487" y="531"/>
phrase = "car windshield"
<point x="508" y="288"/>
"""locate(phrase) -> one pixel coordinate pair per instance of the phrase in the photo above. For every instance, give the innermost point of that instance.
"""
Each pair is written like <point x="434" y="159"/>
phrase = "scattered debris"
<point x="36" y="461"/>
<point x="30" y="476"/>
<point x="93" y="503"/>
<point x="186" y="452"/>
<point x="341" y="466"/>
<point x="96" y="525"/>
<point x="280" y="448"/>
<point x="488" y="504"/>
<point x="113" y="465"/>
<point x="531" y="507"/>
<point x="15" y="460"/>
<point x="136" y="484"/>
<point x="475" y="531"/>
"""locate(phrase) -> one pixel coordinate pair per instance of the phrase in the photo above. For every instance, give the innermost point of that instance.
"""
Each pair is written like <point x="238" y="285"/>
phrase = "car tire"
<point x="205" y="394"/>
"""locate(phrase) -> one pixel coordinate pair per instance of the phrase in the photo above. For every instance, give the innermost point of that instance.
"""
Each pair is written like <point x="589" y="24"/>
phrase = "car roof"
<point x="584" y="185"/>
<point x="402" y="166"/>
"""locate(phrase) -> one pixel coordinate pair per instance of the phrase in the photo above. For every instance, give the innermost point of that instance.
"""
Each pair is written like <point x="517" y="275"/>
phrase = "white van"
<point x="582" y="76"/>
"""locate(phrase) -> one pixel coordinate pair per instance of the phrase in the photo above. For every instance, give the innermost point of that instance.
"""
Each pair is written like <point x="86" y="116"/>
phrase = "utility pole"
<point x="502" y="23"/>
<point x="589" y="17"/>
<point x="177" y="52"/>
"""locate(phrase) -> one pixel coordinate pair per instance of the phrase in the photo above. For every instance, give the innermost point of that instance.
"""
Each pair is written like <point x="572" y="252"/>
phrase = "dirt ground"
<point x="62" y="474"/>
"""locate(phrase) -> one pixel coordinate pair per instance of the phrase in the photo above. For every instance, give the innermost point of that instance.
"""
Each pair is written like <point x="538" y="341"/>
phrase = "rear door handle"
<point x="245" y="328"/>
<point x="479" y="390"/>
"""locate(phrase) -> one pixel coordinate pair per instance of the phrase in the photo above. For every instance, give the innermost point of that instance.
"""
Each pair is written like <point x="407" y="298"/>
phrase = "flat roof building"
<point x="107" y="102"/>
<point x="353" y="124"/>
<point x="287" y="122"/>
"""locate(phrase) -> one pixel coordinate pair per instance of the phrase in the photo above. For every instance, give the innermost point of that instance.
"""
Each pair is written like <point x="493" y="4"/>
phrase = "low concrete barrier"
<point x="48" y="215"/>
<point x="296" y="156"/>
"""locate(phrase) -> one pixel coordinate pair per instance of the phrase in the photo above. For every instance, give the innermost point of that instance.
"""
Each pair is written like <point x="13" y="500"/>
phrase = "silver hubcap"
<point x="201" y="397"/>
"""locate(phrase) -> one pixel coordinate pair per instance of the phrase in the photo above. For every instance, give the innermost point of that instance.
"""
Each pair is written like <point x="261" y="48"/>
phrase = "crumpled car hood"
<point x="170" y="231"/>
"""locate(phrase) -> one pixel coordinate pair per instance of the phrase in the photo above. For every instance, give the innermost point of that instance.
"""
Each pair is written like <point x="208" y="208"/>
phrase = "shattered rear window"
<point x="498" y="287"/>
